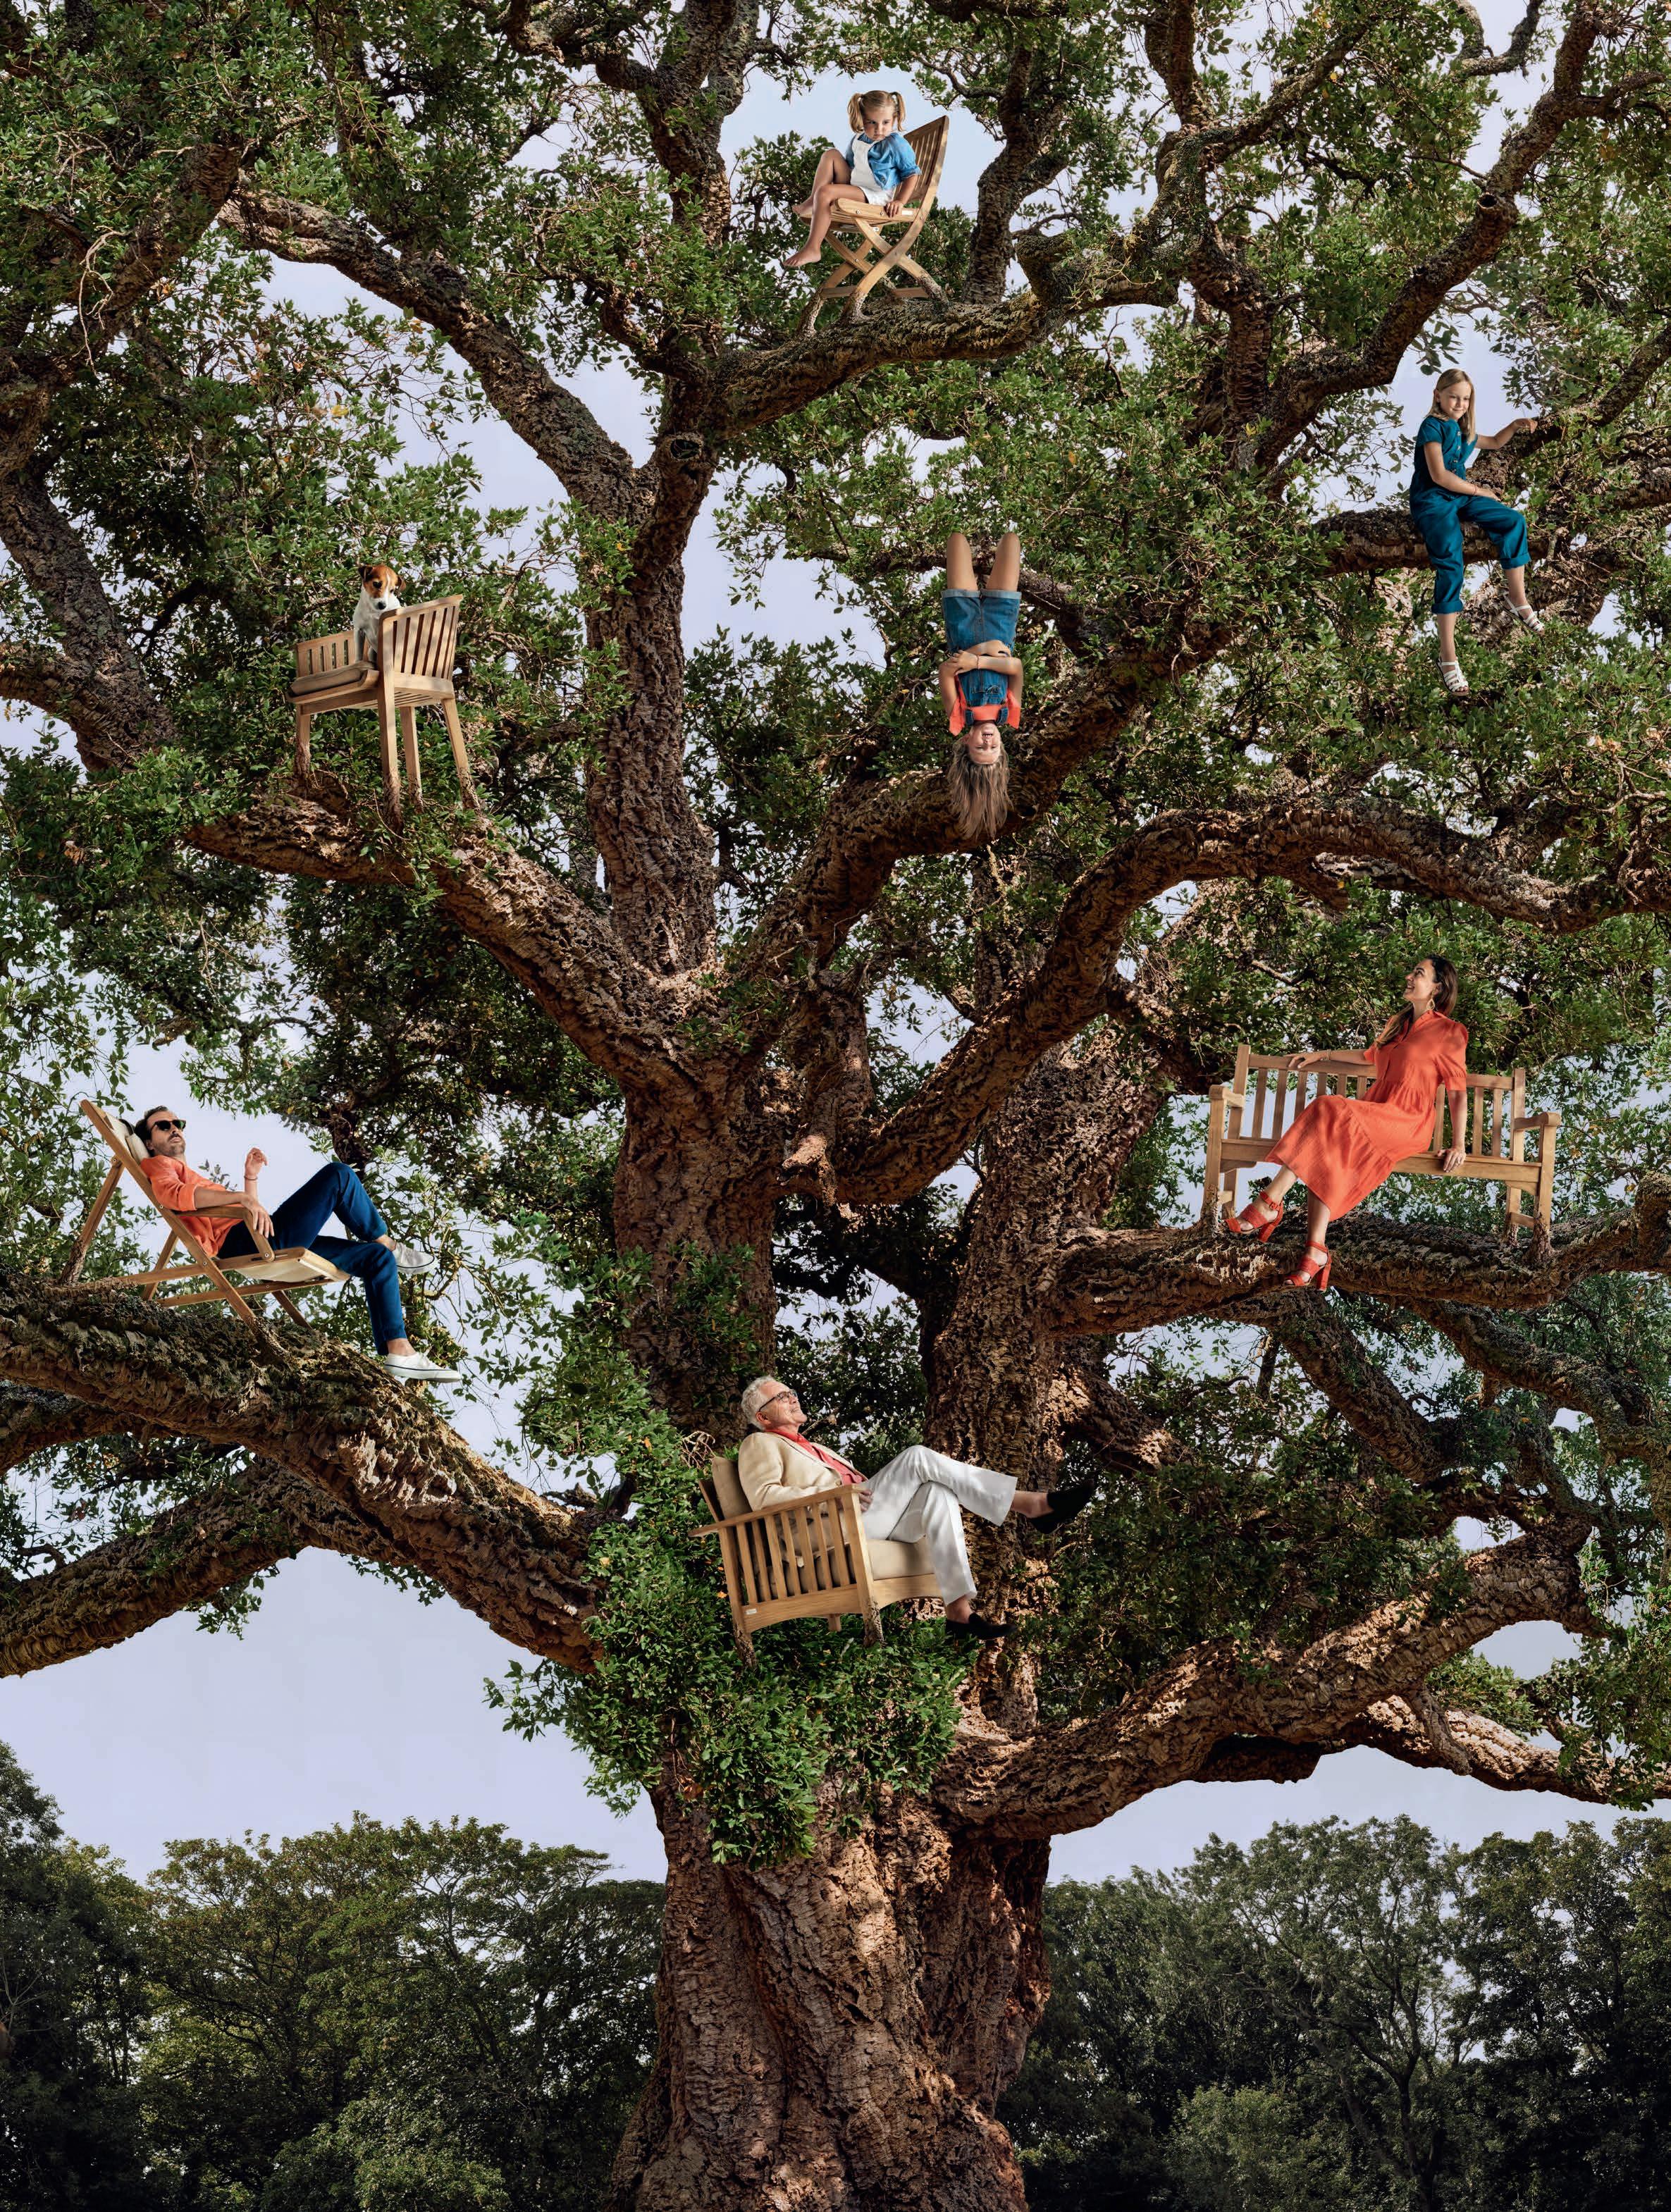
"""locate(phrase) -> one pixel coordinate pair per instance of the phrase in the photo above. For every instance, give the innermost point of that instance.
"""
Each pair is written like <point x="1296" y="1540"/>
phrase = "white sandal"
<point x="1529" y="616"/>
<point x="1451" y="676"/>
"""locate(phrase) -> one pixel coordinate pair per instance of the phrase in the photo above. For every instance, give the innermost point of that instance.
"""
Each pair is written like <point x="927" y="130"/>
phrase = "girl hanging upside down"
<point x="1341" y="1149"/>
<point x="981" y="681"/>
<point x="876" y="171"/>
<point x="1442" y="500"/>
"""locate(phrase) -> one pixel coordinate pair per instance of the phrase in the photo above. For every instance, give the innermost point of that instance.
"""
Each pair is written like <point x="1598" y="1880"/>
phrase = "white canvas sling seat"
<point x="1246" y="1116"/>
<point x="862" y="266"/>
<point x="417" y="649"/>
<point x="200" y="1279"/>
<point x="807" y="1558"/>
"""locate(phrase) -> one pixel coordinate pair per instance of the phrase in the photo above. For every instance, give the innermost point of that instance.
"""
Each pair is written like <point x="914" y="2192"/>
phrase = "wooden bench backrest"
<point x="420" y="641"/>
<point x="1274" y="1097"/>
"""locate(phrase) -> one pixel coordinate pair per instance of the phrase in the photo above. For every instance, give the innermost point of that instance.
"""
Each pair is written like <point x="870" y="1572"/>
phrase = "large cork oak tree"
<point x="710" y="1044"/>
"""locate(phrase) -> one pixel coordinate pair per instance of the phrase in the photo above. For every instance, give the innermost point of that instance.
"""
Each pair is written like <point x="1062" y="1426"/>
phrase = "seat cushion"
<point x="727" y="1488"/>
<point x="887" y="1558"/>
<point x="118" y="1124"/>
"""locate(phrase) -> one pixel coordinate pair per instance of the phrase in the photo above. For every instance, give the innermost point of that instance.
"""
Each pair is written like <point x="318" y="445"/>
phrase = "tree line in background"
<point x="439" y="2019"/>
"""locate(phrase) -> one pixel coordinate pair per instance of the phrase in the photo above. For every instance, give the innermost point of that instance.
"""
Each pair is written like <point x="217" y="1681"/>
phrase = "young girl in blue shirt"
<point x="1442" y="500"/>
<point x="875" y="171"/>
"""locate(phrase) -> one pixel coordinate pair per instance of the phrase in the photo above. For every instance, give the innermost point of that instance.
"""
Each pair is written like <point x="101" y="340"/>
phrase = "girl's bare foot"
<point x="804" y="210"/>
<point x="803" y="259"/>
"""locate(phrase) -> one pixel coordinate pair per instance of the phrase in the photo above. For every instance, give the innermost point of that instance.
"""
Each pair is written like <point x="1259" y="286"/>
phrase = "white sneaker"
<point x="413" y="1367"/>
<point x="411" y="1262"/>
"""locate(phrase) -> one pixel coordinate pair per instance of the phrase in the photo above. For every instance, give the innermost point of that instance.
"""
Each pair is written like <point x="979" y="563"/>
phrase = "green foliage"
<point x="378" y="2019"/>
<point x="72" y="1966"/>
<point x="1356" y="2020"/>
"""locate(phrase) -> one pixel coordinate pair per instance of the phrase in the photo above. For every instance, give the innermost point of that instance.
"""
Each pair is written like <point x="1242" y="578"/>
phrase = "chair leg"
<point x="291" y="1307"/>
<point x="391" y="764"/>
<point x="409" y="744"/>
<point x="460" y="755"/>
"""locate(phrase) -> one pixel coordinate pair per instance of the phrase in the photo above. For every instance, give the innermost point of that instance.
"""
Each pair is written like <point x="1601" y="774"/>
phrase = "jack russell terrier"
<point x="378" y="596"/>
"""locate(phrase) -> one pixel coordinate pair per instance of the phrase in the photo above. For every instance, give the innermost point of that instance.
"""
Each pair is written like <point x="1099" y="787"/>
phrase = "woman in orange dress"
<point x="1341" y="1149"/>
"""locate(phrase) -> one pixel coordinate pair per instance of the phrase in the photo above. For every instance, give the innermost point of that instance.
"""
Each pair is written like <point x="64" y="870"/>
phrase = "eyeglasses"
<point x="772" y="1400"/>
<point x="157" y="1128"/>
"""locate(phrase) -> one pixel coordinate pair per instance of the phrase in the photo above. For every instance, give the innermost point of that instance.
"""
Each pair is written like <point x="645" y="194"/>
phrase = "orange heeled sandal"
<point x="1313" y="1270"/>
<point x="1257" y="1217"/>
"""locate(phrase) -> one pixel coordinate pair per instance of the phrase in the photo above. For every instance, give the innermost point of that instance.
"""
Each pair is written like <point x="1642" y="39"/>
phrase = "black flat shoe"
<point x="1070" y="1503"/>
<point x="976" y="1629"/>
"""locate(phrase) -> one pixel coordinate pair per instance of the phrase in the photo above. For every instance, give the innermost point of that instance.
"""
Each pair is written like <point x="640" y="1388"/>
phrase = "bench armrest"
<point x="1545" y="1120"/>
<point x="771" y="1512"/>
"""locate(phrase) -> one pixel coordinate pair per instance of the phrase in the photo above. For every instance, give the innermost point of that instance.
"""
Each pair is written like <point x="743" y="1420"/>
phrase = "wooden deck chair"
<point x="808" y="1558"/>
<point x="416" y="647"/>
<point x="872" y="261"/>
<point x="264" y="1272"/>
<point x="1246" y="1117"/>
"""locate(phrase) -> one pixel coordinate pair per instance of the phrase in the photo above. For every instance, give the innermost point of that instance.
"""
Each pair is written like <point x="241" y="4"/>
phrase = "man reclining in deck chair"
<point x="915" y="1499"/>
<point x="368" y="1250"/>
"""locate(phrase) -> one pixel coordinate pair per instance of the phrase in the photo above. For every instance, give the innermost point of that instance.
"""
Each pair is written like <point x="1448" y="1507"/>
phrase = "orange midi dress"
<point x="1341" y="1149"/>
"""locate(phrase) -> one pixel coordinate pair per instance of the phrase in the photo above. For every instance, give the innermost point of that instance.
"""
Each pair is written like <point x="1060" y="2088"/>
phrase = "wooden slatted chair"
<point x="872" y="261"/>
<point x="809" y="1558"/>
<point x="416" y="647"/>
<point x="264" y="1273"/>
<point x="1246" y="1117"/>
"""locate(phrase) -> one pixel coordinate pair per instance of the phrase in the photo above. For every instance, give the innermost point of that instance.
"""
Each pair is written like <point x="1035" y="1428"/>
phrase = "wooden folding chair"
<point x="265" y="1273"/>
<point x="873" y="261"/>
<point x="416" y="647"/>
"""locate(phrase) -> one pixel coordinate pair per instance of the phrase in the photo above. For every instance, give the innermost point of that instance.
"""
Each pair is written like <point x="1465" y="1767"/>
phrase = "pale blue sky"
<point x="345" y="1696"/>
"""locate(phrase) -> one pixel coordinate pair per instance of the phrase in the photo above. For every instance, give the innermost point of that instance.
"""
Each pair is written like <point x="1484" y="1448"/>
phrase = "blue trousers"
<point x="336" y="1190"/>
<point x="976" y="618"/>
<point x="1439" y="516"/>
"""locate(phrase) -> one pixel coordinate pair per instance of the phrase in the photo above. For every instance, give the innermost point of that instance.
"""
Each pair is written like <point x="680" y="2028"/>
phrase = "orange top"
<point x="176" y="1185"/>
<point x="1341" y="1149"/>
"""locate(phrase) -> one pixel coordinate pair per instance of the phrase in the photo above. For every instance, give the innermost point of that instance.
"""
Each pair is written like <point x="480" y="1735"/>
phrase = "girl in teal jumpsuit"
<point x="1442" y="501"/>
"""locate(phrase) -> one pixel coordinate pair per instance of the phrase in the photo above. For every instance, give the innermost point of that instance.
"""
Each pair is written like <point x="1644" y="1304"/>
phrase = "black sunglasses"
<point x="152" y="1128"/>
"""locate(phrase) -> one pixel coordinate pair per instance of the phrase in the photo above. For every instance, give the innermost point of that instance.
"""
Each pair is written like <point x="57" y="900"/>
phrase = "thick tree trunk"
<point x="836" y="2032"/>
<point x="697" y="1180"/>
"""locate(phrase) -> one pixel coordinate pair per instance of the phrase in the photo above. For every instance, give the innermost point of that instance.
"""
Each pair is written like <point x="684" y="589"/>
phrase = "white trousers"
<point x="915" y="1500"/>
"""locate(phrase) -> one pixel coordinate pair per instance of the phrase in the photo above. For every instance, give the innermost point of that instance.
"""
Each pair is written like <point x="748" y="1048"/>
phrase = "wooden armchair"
<point x="1245" y="1119"/>
<point x="416" y="647"/>
<point x="811" y="1557"/>
<point x="872" y="261"/>
<point x="259" y="1274"/>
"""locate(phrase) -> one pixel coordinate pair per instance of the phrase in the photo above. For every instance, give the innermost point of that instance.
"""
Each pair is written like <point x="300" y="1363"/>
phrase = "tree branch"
<point x="187" y="1557"/>
<point x="1075" y="1776"/>
<point x="555" y="424"/>
<point x="1106" y="1282"/>
<point x="326" y="1416"/>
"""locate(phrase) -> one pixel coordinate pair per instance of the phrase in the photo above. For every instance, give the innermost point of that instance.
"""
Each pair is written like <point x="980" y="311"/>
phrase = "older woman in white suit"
<point x="915" y="1499"/>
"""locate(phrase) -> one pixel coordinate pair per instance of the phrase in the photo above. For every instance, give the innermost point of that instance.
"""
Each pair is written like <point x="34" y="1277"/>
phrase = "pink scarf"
<point x="850" y="1474"/>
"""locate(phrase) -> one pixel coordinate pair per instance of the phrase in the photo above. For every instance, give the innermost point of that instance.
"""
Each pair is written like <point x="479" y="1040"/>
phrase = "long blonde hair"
<point x="979" y="795"/>
<point x="1448" y="382"/>
<point x="867" y="103"/>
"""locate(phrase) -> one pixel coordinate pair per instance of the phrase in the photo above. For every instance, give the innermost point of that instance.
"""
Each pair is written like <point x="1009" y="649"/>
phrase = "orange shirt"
<point x="177" y="1186"/>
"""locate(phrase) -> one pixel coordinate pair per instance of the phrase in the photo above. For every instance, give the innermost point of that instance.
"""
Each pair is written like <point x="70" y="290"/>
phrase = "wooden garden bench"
<point x="416" y="647"/>
<point x="1246" y="1117"/>
<point x="259" y="1274"/>
<point x="805" y="1557"/>
<point x="863" y="266"/>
